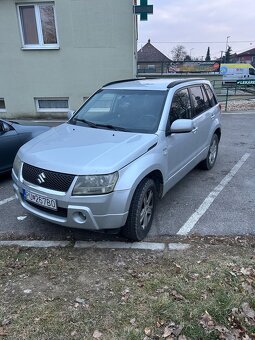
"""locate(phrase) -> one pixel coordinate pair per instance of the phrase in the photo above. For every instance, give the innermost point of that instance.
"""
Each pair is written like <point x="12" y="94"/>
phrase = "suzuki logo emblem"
<point x="41" y="178"/>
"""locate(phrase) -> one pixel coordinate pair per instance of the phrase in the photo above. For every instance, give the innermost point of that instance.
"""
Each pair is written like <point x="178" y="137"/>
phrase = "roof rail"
<point x="180" y="81"/>
<point x="122" y="81"/>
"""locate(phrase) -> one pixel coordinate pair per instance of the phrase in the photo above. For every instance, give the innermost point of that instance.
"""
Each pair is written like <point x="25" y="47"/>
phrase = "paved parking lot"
<point x="218" y="202"/>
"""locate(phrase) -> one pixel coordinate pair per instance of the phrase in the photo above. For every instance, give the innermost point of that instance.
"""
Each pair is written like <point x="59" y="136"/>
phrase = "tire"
<point x="208" y="163"/>
<point x="141" y="211"/>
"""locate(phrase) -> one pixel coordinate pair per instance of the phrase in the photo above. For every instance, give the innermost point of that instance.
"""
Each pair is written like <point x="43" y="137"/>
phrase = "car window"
<point x="251" y="71"/>
<point x="181" y="106"/>
<point x="211" y="95"/>
<point x="206" y="99"/>
<point x="198" y="100"/>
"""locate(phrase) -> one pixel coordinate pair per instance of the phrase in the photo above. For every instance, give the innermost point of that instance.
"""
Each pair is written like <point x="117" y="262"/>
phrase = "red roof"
<point x="249" y="52"/>
<point x="149" y="53"/>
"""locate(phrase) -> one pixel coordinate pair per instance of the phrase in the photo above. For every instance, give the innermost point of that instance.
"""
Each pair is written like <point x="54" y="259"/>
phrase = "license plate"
<point x="40" y="200"/>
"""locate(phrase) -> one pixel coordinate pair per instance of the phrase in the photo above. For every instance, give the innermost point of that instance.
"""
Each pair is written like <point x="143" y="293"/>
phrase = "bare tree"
<point x="178" y="53"/>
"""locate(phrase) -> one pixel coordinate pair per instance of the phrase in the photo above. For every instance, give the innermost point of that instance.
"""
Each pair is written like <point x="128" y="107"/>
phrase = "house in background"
<point x="247" y="57"/>
<point x="151" y="60"/>
<point x="54" y="54"/>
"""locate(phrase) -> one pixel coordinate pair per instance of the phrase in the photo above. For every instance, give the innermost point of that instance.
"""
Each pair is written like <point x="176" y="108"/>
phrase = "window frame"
<point x="38" y="109"/>
<point x="3" y="110"/>
<point x="207" y="89"/>
<point x="191" y="106"/>
<point x="194" y="115"/>
<point x="40" y="45"/>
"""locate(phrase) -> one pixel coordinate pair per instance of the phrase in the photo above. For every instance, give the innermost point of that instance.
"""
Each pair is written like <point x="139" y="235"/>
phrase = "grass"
<point x="126" y="294"/>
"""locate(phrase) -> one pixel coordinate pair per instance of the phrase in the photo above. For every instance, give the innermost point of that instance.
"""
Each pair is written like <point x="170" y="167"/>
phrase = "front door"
<point x="181" y="147"/>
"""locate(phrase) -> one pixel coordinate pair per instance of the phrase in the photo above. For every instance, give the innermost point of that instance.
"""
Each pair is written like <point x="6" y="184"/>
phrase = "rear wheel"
<point x="210" y="160"/>
<point x="141" y="211"/>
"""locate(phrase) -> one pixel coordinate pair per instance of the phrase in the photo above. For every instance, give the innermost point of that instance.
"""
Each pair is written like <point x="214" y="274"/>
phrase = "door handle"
<point x="213" y="116"/>
<point x="195" y="130"/>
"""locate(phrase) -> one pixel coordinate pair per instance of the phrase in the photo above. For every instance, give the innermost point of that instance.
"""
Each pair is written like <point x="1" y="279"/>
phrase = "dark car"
<point x="12" y="136"/>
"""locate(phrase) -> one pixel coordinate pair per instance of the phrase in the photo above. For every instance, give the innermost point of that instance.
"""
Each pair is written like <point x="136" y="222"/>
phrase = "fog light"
<point x="79" y="217"/>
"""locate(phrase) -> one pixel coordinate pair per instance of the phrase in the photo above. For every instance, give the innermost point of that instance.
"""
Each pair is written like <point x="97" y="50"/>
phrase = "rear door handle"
<point x="213" y="116"/>
<point x="195" y="130"/>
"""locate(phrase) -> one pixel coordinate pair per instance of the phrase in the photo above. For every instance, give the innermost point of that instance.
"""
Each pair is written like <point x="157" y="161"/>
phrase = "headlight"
<point x="17" y="165"/>
<point x="95" y="185"/>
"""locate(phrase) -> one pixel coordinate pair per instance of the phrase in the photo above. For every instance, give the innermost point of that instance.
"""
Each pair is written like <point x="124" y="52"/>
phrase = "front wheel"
<point x="210" y="160"/>
<point x="141" y="211"/>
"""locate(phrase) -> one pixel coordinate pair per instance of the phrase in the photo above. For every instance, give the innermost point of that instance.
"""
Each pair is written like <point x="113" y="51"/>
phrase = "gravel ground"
<point x="239" y="105"/>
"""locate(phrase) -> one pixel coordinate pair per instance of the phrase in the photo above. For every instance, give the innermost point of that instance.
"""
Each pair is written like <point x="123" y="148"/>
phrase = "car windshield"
<point x="123" y="110"/>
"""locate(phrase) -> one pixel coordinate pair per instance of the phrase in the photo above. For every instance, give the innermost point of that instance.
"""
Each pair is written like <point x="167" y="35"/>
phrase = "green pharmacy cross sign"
<point x="144" y="9"/>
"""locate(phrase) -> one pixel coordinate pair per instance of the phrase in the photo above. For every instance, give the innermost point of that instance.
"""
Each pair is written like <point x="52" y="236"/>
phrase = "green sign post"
<point x="144" y="9"/>
<point x="246" y="82"/>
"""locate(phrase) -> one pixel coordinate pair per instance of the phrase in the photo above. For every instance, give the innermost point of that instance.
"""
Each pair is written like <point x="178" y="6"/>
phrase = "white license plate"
<point x="40" y="200"/>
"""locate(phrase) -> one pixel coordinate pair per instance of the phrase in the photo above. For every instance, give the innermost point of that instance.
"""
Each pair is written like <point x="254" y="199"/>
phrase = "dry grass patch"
<point x="205" y="292"/>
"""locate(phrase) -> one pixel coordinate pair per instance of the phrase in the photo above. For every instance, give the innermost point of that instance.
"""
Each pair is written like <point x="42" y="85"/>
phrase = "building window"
<point x="2" y="105"/>
<point x="38" y="25"/>
<point x="52" y="104"/>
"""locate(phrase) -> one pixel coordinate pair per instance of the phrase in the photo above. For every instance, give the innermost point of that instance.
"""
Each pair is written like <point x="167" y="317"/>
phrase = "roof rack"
<point x="180" y="81"/>
<point x="122" y="81"/>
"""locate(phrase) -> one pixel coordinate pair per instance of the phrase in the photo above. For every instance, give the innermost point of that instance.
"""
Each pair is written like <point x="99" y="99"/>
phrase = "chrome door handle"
<point x="195" y="130"/>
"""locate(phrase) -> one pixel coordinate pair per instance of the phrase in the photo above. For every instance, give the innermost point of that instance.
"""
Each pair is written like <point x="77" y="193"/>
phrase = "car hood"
<point x="82" y="150"/>
<point x="34" y="130"/>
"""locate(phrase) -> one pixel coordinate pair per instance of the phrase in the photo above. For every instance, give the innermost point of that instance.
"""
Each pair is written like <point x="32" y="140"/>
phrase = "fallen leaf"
<point x="27" y="291"/>
<point x="206" y="321"/>
<point x="132" y="321"/>
<point x="97" y="335"/>
<point x="248" y="311"/>
<point x="147" y="331"/>
<point x="246" y="271"/>
<point x="182" y="337"/>
<point x="3" y="332"/>
<point x="177" y="267"/>
<point x="167" y="332"/>
<point x="177" y="295"/>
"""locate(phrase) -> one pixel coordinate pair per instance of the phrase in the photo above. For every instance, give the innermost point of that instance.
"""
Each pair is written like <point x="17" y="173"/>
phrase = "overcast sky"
<point x="188" y="22"/>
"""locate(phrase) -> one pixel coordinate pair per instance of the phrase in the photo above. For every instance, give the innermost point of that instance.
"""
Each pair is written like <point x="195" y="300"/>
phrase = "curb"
<point x="154" y="246"/>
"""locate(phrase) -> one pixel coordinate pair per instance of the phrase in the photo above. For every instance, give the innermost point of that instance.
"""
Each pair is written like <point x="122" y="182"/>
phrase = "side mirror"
<point x="182" y="126"/>
<point x="5" y="127"/>
<point x="70" y="114"/>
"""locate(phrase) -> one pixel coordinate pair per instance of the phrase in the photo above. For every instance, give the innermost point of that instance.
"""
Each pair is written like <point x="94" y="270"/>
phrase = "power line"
<point x="198" y="42"/>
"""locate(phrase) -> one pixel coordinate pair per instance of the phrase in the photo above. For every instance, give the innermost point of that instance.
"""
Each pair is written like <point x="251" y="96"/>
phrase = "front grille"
<point x="61" y="212"/>
<point x="47" y="179"/>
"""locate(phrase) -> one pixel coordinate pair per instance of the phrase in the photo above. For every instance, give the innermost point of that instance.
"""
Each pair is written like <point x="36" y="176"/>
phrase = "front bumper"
<point x="85" y="212"/>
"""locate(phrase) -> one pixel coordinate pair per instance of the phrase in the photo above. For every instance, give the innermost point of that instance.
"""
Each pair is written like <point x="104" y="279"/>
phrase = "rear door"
<point x="203" y="115"/>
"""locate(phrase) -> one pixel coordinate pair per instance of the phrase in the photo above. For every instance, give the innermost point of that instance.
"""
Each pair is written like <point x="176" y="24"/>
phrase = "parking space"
<point x="195" y="199"/>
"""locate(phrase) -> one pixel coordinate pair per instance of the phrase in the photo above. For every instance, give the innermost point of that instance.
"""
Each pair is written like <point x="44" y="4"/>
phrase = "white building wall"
<point x="97" y="44"/>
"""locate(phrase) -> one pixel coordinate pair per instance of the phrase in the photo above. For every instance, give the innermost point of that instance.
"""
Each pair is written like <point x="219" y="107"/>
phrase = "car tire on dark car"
<point x="141" y="211"/>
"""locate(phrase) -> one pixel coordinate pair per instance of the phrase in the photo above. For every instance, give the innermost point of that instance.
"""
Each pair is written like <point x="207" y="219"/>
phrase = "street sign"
<point x="144" y="9"/>
<point x="245" y="82"/>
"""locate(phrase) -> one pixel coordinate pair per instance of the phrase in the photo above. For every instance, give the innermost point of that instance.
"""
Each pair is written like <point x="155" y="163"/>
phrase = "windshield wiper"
<point x="97" y="126"/>
<point x="112" y="127"/>
<point x="90" y="124"/>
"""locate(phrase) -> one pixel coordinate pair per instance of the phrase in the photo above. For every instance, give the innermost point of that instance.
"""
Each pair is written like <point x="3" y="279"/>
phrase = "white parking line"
<point x="189" y="225"/>
<point x="7" y="200"/>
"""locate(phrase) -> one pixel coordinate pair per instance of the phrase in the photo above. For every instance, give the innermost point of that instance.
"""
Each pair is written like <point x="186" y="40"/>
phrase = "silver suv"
<point x="123" y="149"/>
